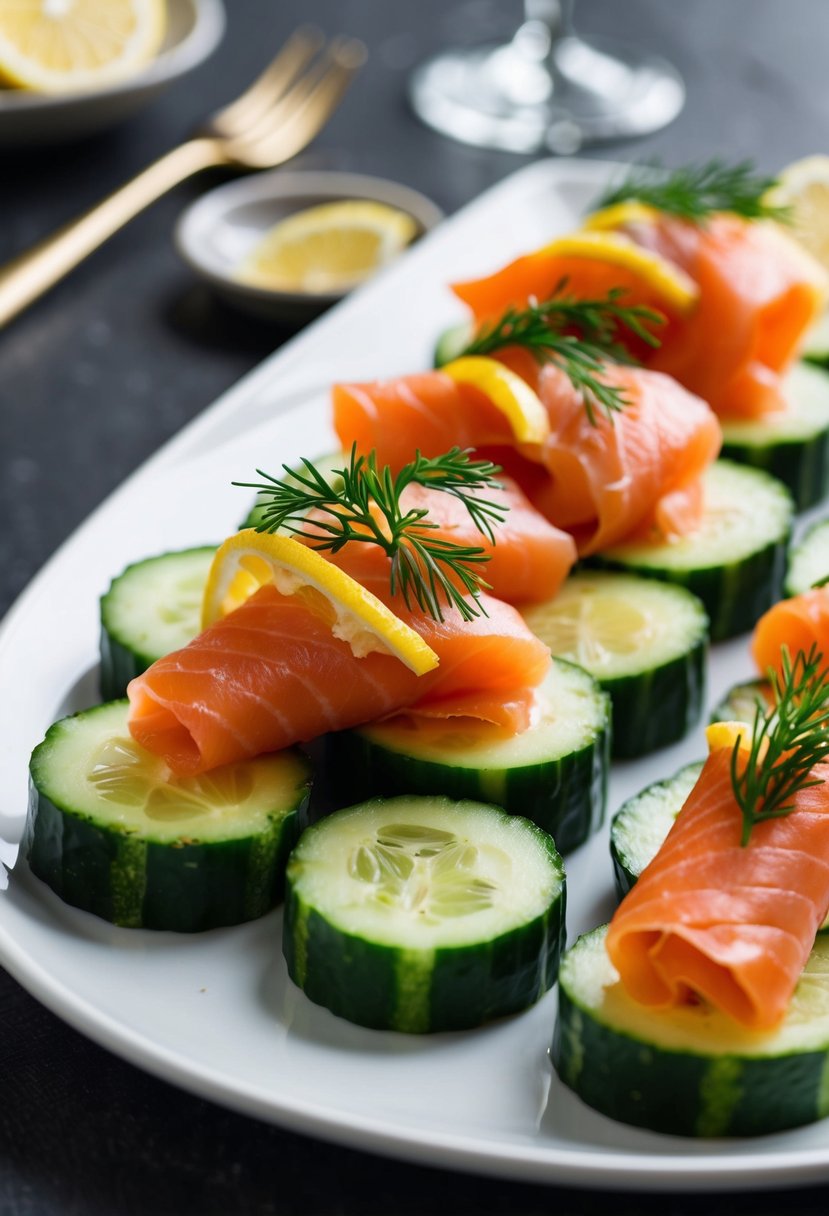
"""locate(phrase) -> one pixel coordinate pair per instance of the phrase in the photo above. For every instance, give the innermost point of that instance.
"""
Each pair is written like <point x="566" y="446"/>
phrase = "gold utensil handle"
<point x="31" y="274"/>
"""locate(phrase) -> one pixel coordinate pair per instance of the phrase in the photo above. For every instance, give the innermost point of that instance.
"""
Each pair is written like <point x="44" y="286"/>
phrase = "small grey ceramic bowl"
<point x="216" y="233"/>
<point x="194" y="30"/>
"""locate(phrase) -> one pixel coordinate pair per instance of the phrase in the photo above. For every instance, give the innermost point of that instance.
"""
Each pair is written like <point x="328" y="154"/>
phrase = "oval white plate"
<point x="194" y="30"/>
<point x="215" y="1012"/>
<point x="217" y="232"/>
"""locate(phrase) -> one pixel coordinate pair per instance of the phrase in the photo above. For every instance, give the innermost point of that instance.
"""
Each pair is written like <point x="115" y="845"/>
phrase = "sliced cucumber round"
<point x="741" y="702"/>
<point x="555" y="772"/>
<point x="423" y="914"/>
<point x="150" y="610"/>
<point x="735" y="560"/>
<point x="808" y="560"/>
<point x="644" y="641"/>
<point x="639" y="828"/>
<point x="326" y="465"/>
<point x="112" y="832"/>
<point x="793" y="445"/>
<point x="453" y="342"/>
<point x="690" y="1071"/>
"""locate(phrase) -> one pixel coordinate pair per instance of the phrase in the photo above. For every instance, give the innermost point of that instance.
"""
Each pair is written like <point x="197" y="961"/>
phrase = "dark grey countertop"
<point x="100" y="373"/>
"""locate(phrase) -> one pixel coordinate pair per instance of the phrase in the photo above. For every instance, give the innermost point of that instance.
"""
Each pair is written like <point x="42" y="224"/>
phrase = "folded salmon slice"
<point x="799" y="623"/>
<point x="710" y="919"/>
<point x="529" y="559"/>
<point x="272" y="674"/>
<point x="760" y="292"/>
<point x="637" y="475"/>
<point x="428" y="412"/>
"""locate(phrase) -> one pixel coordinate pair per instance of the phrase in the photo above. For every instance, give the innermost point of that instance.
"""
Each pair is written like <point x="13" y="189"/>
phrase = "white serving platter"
<point x="215" y="1013"/>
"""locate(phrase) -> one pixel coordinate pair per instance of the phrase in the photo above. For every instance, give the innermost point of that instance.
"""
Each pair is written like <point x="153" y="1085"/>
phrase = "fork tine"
<point x="271" y="84"/>
<point x="308" y="104"/>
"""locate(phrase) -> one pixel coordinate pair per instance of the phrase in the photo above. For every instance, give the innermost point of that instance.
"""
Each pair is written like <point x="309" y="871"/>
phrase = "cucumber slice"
<point x="325" y="464"/>
<point x="735" y="560"/>
<point x="808" y="560"/>
<point x="453" y="342"/>
<point x="644" y="641"/>
<point x="691" y="1071"/>
<point x="555" y="772"/>
<point x="110" y="831"/>
<point x="639" y="828"/>
<point x="151" y="609"/>
<point x="740" y="703"/>
<point x="792" y="445"/>
<point x="422" y="914"/>
<point x="816" y="347"/>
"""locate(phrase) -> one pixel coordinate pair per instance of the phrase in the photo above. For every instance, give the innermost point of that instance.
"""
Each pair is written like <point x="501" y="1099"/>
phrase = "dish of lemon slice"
<point x="329" y="248"/>
<point x="66" y="46"/>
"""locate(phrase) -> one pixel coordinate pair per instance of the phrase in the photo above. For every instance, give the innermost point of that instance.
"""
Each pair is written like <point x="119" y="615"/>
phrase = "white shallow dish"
<point x="215" y="1013"/>
<point x="217" y="232"/>
<point x="194" y="30"/>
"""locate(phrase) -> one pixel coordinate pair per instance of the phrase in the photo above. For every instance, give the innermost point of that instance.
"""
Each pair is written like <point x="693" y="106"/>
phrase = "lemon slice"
<point x="617" y="215"/>
<point x="250" y="560"/>
<point x="721" y="735"/>
<point x="510" y="395"/>
<point x="328" y="248"/>
<point x="804" y="187"/>
<point x="666" y="280"/>
<point x="60" y="46"/>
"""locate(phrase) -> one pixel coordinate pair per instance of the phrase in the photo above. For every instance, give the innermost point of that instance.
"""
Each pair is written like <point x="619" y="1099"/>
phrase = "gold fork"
<point x="275" y="118"/>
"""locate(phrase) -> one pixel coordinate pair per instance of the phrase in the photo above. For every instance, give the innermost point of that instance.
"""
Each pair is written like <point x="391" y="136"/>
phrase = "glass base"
<point x="570" y="94"/>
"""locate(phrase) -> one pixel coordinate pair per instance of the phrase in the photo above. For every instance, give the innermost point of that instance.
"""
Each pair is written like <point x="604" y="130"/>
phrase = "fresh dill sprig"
<point x="697" y="191"/>
<point x="546" y="330"/>
<point x="786" y="744"/>
<point x="362" y="504"/>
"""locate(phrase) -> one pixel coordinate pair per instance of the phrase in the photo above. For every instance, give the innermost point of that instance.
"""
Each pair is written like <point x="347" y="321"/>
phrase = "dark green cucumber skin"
<point x="633" y="1082"/>
<point x="651" y="710"/>
<point x="623" y="877"/>
<point x="470" y="985"/>
<point x="801" y="464"/>
<point x="184" y="887"/>
<point x="565" y="798"/>
<point x="119" y="665"/>
<point x="734" y="597"/>
<point x="121" y="662"/>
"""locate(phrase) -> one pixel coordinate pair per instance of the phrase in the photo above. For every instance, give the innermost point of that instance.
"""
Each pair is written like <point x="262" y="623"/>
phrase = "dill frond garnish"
<point x="696" y="192"/>
<point x="578" y="336"/>
<point x="362" y="504"/>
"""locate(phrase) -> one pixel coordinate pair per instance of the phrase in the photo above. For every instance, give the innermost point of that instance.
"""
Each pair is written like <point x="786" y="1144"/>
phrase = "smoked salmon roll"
<point x="729" y="924"/>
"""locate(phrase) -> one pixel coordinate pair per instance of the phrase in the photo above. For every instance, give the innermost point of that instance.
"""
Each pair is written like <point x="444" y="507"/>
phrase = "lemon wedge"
<point x="619" y="214"/>
<point x="665" y="280"/>
<point x="61" y="46"/>
<point x="804" y="188"/>
<point x="725" y="734"/>
<point x="329" y="248"/>
<point x="250" y="560"/>
<point x="510" y="395"/>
